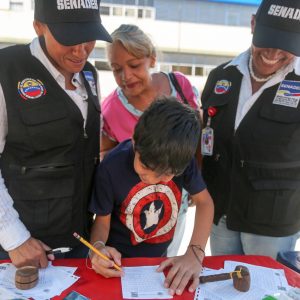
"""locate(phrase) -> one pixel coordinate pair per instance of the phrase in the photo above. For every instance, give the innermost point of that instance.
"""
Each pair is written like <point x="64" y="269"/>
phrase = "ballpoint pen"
<point x="58" y="250"/>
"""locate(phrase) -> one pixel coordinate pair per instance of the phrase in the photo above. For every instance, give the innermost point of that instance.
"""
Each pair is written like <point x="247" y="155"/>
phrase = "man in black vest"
<point x="49" y="132"/>
<point x="251" y="143"/>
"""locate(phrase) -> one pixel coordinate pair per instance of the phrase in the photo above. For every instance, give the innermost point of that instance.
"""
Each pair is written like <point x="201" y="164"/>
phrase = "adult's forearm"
<point x="13" y="232"/>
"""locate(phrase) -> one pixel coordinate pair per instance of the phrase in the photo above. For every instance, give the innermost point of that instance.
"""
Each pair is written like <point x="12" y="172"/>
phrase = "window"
<point x="129" y="12"/>
<point x="117" y="11"/>
<point x="16" y="5"/>
<point x="187" y="70"/>
<point x="148" y="13"/>
<point x="199" y="71"/>
<point x="104" y="10"/>
<point x="140" y="13"/>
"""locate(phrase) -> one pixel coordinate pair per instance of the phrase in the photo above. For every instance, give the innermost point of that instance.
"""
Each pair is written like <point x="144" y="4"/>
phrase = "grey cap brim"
<point x="69" y="34"/>
<point x="267" y="37"/>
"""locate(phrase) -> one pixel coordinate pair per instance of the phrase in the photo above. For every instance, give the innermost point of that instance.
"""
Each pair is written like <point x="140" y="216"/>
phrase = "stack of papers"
<point x="264" y="281"/>
<point x="52" y="282"/>
<point x="143" y="283"/>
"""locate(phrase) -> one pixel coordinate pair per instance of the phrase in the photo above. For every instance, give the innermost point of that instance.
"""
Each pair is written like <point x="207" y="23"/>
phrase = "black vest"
<point x="49" y="159"/>
<point x="254" y="173"/>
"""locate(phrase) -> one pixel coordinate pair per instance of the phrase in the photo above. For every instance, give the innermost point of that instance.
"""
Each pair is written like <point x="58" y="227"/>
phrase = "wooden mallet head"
<point x="26" y="277"/>
<point x="240" y="277"/>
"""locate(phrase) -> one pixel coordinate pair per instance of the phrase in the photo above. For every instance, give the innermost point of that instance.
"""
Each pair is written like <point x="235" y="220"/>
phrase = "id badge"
<point x="207" y="141"/>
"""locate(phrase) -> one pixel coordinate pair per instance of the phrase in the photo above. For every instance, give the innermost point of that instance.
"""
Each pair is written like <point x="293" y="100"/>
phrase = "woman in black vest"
<point x="49" y="132"/>
<point x="252" y="159"/>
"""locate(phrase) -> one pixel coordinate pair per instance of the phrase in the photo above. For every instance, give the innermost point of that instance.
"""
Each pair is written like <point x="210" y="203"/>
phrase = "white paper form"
<point x="224" y="290"/>
<point x="206" y="295"/>
<point x="263" y="281"/>
<point x="272" y="280"/>
<point x="52" y="281"/>
<point x="5" y="294"/>
<point x="143" y="283"/>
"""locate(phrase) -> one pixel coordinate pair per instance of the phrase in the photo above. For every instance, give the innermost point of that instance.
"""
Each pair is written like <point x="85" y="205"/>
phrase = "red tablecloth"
<point x="98" y="288"/>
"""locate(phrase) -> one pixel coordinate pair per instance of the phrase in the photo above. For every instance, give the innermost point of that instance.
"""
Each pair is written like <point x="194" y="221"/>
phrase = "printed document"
<point x="52" y="281"/>
<point x="264" y="281"/>
<point x="143" y="283"/>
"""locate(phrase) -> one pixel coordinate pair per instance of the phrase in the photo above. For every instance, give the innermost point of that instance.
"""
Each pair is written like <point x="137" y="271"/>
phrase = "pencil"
<point x="82" y="240"/>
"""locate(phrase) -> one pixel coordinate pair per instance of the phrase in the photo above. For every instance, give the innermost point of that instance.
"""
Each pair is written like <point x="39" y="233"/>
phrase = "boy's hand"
<point x="183" y="269"/>
<point x="105" y="267"/>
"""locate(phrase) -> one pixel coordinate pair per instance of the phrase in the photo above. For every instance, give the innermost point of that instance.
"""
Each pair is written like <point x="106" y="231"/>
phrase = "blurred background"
<point x="191" y="36"/>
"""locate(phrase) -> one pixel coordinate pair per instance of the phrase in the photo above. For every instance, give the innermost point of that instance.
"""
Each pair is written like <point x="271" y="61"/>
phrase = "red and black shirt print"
<point x="150" y="212"/>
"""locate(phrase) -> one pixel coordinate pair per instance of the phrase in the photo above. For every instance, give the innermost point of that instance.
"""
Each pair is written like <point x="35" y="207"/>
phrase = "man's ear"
<point x="252" y="23"/>
<point x="38" y="27"/>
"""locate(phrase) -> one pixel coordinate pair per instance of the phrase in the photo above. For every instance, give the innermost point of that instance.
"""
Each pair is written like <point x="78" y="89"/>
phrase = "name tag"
<point x="207" y="141"/>
<point x="288" y="94"/>
<point x="90" y="79"/>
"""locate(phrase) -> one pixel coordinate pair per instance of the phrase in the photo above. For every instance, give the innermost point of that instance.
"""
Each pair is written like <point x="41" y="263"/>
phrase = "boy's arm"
<point x="99" y="236"/>
<point x="188" y="267"/>
<point x="203" y="219"/>
<point x="100" y="229"/>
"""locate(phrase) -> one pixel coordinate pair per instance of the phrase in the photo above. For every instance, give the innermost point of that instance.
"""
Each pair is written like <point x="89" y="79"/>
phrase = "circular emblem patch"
<point x="222" y="86"/>
<point x="150" y="212"/>
<point x="31" y="88"/>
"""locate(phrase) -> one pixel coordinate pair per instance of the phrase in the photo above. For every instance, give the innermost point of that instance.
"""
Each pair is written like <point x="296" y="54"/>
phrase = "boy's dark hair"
<point x="166" y="136"/>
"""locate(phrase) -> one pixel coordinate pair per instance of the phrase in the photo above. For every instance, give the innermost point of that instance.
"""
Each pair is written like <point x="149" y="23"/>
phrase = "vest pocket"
<point x="47" y="126"/>
<point x="216" y="176"/>
<point x="275" y="193"/>
<point x="278" y="125"/>
<point x="280" y="113"/>
<point x="43" y="197"/>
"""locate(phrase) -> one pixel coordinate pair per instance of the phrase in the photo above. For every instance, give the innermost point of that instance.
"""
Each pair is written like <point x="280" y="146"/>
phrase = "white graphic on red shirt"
<point x="152" y="215"/>
<point x="150" y="212"/>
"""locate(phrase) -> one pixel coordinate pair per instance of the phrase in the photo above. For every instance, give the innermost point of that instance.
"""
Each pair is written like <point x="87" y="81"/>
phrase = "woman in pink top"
<point x="131" y="56"/>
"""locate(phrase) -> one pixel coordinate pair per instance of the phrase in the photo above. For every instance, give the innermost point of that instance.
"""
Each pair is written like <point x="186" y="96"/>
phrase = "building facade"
<point x="192" y="36"/>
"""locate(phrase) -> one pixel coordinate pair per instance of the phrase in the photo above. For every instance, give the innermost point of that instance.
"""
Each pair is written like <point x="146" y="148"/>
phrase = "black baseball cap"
<point x="278" y="25"/>
<point x="72" y="22"/>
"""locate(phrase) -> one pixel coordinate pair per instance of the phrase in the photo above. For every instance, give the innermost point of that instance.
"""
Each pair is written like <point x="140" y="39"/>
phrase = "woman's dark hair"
<point x="166" y="136"/>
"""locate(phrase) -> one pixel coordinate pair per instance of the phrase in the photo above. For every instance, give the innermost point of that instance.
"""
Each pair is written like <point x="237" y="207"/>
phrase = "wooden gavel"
<point x="240" y="277"/>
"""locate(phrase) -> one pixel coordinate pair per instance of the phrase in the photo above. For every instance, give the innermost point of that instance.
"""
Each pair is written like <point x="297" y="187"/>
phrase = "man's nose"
<point x="80" y="50"/>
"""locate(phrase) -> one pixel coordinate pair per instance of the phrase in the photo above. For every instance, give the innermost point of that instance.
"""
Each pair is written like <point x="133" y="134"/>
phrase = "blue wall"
<point x="244" y="2"/>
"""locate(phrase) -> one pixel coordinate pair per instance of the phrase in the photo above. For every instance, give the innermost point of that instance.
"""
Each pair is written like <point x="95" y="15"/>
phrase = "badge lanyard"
<point x="207" y="138"/>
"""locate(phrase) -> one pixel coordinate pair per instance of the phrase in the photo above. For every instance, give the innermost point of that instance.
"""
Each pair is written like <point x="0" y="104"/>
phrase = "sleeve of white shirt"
<point x="99" y="98"/>
<point x="13" y="232"/>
